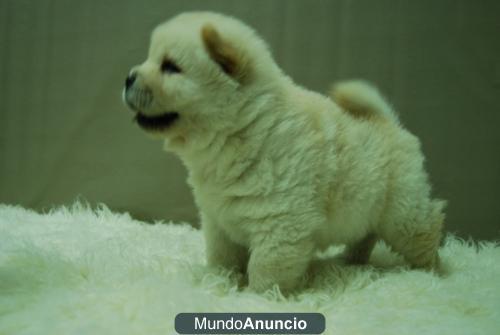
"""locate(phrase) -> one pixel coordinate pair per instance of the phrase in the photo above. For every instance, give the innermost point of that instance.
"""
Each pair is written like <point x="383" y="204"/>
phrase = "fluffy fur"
<point x="77" y="271"/>
<point x="279" y="172"/>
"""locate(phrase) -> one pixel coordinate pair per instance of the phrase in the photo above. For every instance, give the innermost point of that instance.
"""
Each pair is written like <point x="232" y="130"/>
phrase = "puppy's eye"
<point x="167" y="66"/>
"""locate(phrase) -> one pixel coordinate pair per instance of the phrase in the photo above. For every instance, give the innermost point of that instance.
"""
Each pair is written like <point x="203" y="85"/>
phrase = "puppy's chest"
<point x="228" y="213"/>
<point x="229" y="197"/>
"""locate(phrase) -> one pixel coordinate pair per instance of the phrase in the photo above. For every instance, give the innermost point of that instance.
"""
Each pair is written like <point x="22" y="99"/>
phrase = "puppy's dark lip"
<point x="156" y="122"/>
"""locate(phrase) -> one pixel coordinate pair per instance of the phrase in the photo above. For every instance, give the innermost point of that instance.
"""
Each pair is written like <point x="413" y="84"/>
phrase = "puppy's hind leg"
<point x="418" y="239"/>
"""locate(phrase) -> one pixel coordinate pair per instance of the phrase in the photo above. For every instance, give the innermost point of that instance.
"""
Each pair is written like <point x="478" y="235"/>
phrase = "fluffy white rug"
<point x="82" y="271"/>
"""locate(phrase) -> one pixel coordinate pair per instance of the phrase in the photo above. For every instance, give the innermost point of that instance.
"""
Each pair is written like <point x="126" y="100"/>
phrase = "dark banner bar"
<point x="250" y="323"/>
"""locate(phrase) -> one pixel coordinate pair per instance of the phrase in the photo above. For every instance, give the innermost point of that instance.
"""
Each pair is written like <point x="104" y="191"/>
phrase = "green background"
<point x="64" y="132"/>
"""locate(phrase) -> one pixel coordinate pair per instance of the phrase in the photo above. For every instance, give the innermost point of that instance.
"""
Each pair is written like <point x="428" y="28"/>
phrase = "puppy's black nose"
<point x="130" y="80"/>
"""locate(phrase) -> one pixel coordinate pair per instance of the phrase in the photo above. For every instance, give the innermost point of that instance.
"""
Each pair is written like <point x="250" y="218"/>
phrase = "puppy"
<point x="277" y="171"/>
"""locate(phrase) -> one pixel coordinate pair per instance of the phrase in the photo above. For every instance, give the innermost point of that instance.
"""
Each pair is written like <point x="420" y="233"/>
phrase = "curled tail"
<point x="362" y="100"/>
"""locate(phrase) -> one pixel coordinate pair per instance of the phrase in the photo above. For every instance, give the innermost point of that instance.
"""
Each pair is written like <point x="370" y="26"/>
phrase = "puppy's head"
<point x="201" y="70"/>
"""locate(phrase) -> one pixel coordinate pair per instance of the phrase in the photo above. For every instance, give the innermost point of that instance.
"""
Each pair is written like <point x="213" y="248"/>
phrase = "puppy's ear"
<point x="229" y="58"/>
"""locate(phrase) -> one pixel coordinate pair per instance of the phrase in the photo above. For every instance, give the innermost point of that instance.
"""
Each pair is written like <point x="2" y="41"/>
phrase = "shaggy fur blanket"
<point x="83" y="271"/>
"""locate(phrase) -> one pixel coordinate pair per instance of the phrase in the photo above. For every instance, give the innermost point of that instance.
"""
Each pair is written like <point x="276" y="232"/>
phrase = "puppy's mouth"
<point x="156" y="122"/>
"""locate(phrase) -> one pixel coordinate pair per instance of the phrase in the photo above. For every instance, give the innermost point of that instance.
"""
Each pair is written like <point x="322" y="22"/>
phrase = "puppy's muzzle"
<point x="137" y="98"/>
<point x="130" y="80"/>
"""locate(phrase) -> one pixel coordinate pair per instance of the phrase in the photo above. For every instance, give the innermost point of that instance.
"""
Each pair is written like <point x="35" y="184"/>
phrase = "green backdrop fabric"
<point x="64" y="132"/>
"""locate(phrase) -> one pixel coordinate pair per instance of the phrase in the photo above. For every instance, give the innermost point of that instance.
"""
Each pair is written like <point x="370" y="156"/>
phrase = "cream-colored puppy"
<point x="278" y="171"/>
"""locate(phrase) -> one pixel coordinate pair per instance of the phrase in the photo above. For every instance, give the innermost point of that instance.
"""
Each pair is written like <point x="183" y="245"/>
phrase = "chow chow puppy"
<point x="279" y="172"/>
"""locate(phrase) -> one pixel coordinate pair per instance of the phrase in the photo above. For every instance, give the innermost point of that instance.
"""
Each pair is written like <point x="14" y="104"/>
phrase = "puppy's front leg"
<point x="278" y="260"/>
<point x="221" y="251"/>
